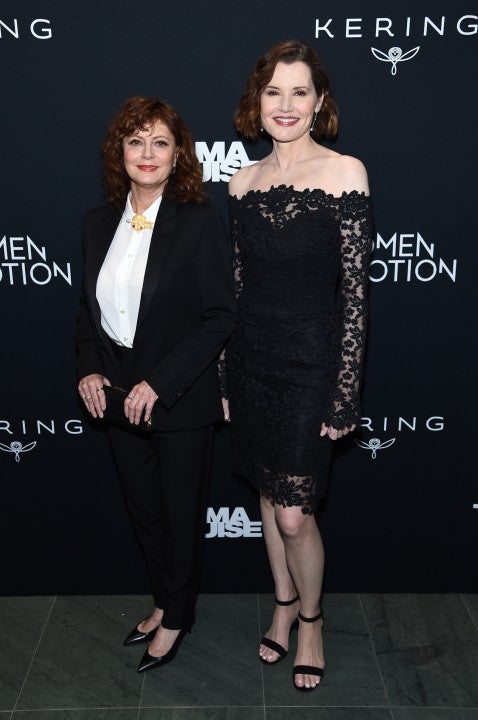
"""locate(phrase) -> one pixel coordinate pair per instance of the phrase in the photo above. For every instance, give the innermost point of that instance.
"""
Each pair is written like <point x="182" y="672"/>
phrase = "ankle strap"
<point x="283" y="603"/>
<point x="312" y="619"/>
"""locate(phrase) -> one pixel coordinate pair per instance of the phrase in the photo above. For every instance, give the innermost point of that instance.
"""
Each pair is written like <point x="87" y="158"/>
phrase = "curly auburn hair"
<point x="247" y="118"/>
<point x="139" y="113"/>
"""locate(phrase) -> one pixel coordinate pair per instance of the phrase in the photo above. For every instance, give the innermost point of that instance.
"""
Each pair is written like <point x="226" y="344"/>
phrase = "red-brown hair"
<point x="139" y="113"/>
<point x="247" y="118"/>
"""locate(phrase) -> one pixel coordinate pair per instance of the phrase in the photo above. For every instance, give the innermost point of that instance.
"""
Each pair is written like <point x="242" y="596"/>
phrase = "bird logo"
<point x="394" y="56"/>
<point x="16" y="447"/>
<point x="375" y="444"/>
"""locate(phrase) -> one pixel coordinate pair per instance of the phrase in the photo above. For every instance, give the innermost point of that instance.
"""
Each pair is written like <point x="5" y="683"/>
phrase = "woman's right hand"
<point x="92" y="394"/>
<point x="333" y="433"/>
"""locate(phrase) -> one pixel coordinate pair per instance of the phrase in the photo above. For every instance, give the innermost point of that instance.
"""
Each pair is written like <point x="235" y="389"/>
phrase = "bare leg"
<point x="284" y="585"/>
<point x="305" y="559"/>
<point x="151" y="622"/>
<point x="162" y="641"/>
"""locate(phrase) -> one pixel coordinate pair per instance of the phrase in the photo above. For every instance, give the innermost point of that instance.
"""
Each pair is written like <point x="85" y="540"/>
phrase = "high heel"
<point x="308" y="669"/>
<point x="136" y="637"/>
<point x="272" y="644"/>
<point x="148" y="662"/>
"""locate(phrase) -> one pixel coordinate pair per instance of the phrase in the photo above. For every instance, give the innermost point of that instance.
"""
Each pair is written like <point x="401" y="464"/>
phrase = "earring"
<point x="311" y="129"/>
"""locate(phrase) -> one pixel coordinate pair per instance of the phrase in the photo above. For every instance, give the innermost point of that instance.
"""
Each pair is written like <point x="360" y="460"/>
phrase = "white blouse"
<point x="120" y="281"/>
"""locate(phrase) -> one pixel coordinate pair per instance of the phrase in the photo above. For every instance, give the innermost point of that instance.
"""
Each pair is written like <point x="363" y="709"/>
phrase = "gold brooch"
<point x="139" y="222"/>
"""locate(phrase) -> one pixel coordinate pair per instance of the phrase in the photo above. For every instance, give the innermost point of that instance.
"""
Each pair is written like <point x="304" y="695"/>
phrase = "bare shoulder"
<point x="242" y="181"/>
<point x="351" y="174"/>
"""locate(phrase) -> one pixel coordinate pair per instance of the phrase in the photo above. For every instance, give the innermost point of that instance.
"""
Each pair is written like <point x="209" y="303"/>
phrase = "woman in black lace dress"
<point x="302" y="229"/>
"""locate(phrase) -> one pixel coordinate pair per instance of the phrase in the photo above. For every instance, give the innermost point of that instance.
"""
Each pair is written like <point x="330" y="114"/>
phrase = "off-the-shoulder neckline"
<point x="310" y="191"/>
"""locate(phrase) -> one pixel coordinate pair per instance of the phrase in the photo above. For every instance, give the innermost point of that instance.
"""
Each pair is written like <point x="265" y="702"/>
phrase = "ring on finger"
<point x="88" y="398"/>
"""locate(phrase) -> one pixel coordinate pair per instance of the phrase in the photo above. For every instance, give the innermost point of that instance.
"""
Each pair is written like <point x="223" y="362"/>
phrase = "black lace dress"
<point x="301" y="269"/>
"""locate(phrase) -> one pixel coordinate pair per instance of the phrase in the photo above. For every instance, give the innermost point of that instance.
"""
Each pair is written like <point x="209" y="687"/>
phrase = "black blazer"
<point x="186" y="313"/>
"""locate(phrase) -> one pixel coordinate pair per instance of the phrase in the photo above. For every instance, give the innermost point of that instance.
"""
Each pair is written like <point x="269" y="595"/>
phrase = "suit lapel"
<point x="161" y="239"/>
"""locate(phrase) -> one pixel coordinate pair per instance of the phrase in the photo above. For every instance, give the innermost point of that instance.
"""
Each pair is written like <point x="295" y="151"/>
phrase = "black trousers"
<point x="165" y="482"/>
<point x="165" y="479"/>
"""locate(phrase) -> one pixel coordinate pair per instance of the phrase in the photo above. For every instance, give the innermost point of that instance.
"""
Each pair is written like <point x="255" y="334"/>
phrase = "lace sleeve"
<point x="236" y="253"/>
<point x="356" y="230"/>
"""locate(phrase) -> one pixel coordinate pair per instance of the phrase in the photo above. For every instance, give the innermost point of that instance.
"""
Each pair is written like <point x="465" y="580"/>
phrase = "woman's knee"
<point x="292" y="522"/>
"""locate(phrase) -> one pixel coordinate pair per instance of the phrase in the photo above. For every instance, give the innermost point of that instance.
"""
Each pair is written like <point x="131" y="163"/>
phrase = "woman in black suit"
<point x="156" y="309"/>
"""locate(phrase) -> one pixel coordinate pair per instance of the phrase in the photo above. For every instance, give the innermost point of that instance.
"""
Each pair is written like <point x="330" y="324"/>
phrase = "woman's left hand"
<point x="333" y="433"/>
<point x="141" y="398"/>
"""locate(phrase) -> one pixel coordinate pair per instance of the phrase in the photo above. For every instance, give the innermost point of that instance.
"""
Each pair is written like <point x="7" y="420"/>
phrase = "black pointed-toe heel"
<point x="136" y="637"/>
<point x="308" y="669"/>
<point x="272" y="644"/>
<point x="149" y="662"/>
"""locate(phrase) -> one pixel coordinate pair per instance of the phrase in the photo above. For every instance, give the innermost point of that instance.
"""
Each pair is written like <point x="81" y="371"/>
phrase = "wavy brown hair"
<point x="247" y="118"/>
<point x="139" y="113"/>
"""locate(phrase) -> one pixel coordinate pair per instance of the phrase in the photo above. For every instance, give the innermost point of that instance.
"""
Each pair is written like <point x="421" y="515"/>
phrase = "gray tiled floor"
<point x="389" y="657"/>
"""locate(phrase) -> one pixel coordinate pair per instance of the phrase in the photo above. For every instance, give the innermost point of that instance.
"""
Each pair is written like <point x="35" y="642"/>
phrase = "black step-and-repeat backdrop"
<point x="402" y="511"/>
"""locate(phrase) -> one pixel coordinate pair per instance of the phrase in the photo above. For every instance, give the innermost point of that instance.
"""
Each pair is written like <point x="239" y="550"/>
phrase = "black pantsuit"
<point x="165" y="480"/>
<point x="186" y="314"/>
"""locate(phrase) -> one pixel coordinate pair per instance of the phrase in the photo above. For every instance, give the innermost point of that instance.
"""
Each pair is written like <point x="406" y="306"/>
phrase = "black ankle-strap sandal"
<point x="308" y="669"/>
<point x="272" y="644"/>
<point x="320" y="616"/>
<point x="284" y="603"/>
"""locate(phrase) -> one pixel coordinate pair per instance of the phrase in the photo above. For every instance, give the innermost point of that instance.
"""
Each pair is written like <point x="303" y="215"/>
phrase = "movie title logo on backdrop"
<point x="409" y="258"/>
<point x="220" y="161"/>
<point x="23" y="262"/>
<point x="235" y="524"/>
<point x="16" y="448"/>
<point x="388" y="426"/>
<point x="391" y="31"/>
<point x="39" y="28"/>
